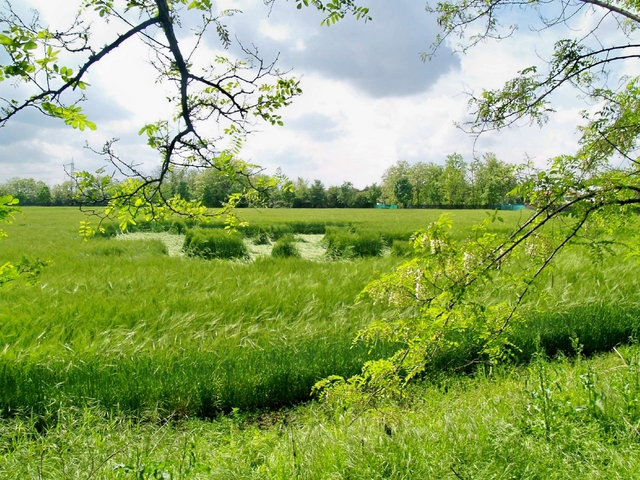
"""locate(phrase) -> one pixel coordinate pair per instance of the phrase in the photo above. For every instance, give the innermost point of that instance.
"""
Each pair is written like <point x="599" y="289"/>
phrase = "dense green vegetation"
<point x="118" y="332"/>
<point x="483" y="181"/>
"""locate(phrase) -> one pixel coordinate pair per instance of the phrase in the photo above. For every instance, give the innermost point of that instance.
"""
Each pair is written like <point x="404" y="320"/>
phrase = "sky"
<point x="368" y="102"/>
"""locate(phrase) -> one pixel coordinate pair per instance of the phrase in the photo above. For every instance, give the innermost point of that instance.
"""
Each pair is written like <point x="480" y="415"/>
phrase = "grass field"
<point x="119" y="336"/>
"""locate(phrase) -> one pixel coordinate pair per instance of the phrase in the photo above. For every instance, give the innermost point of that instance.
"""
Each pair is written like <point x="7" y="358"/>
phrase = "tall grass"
<point x="124" y="326"/>
<point x="566" y="419"/>
<point x="210" y="244"/>
<point x="342" y="243"/>
<point x="285" y="247"/>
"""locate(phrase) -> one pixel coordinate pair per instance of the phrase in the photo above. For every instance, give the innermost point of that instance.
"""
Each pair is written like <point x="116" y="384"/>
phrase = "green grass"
<point x="342" y="243"/>
<point x="118" y="337"/>
<point x="285" y="247"/>
<point x="560" y="420"/>
<point x="209" y="244"/>
<point x="126" y="326"/>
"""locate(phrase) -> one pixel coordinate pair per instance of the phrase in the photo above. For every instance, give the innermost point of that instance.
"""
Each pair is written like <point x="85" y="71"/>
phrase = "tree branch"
<point x="613" y="8"/>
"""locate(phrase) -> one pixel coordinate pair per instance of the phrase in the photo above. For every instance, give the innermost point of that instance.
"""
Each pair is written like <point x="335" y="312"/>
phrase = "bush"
<point x="285" y="248"/>
<point x="213" y="243"/>
<point x="345" y="244"/>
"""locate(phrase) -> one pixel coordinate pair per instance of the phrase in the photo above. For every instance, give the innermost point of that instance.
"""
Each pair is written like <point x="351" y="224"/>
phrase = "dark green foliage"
<point x="285" y="247"/>
<point x="130" y="249"/>
<point x="187" y="382"/>
<point x="277" y="231"/>
<point x="402" y="248"/>
<point x="343" y="243"/>
<point x="262" y="238"/>
<point x="178" y="226"/>
<point x="214" y="244"/>
<point x="308" y="228"/>
<point x="403" y="190"/>
<point x="390" y="237"/>
<point x="108" y="229"/>
<point x="596" y="327"/>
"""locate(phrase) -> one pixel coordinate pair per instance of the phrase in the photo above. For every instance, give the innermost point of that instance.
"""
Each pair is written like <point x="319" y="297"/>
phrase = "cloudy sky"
<point x="368" y="99"/>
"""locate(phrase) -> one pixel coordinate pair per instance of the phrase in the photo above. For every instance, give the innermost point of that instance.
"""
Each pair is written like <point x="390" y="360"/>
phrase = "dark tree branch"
<point x="72" y="83"/>
<point x="613" y="8"/>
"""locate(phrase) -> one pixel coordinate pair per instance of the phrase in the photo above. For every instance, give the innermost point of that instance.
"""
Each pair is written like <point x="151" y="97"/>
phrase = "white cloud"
<point x="279" y="33"/>
<point x="368" y="102"/>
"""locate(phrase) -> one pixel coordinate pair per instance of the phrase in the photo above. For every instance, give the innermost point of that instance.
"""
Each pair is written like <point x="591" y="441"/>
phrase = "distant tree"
<point x="347" y="195"/>
<point x="403" y="191"/>
<point x="333" y="193"/>
<point x="211" y="188"/>
<point x="455" y="183"/>
<point x="44" y="196"/>
<point x="419" y="177"/>
<point x="28" y="191"/>
<point x="432" y="191"/>
<point x="286" y="195"/>
<point x="493" y="179"/>
<point x="363" y="200"/>
<point x="301" y="188"/>
<point x="62" y="194"/>
<point x="389" y="179"/>
<point x="317" y="195"/>
<point x="374" y="192"/>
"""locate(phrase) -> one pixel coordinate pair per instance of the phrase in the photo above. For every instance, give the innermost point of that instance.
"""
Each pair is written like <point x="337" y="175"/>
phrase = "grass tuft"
<point x="210" y="244"/>
<point x="285" y="247"/>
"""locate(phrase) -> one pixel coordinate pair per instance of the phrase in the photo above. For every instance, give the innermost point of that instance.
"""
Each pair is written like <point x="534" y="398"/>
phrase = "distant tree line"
<point x="484" y="181"/>
<point x="36" y="192"/>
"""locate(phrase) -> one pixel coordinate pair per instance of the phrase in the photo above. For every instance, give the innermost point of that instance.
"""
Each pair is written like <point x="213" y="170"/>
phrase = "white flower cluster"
<point x="469" y="261"/>
<point x="395" y="298"/>
<point x="437" y="246"/>
<point x="530" y="248"/>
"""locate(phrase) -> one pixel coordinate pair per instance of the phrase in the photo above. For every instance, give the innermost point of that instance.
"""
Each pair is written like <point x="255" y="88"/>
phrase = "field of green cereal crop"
<point x="120" y="336"/>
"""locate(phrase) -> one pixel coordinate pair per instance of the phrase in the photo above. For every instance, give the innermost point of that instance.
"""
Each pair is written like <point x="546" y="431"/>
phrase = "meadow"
<point x="126" y="362"/>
